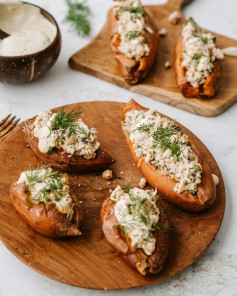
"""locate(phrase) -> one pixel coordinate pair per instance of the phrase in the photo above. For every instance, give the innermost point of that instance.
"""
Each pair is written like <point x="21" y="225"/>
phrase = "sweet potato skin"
<point x="206" y="192"/>
<point x="133" y="71"/>
<point x="60" y="159"/>
<point x="206" y="90"/>
<point x="137" y="259"/>
<point x="48" y="222"/>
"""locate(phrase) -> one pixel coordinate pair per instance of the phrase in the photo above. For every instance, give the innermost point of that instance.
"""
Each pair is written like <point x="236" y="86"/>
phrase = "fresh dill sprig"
<point x="162" y="137"/>
<point x="143" y="128"/>
<point x="131" y="35"/>
<point x="78" y="16"/>
<point x="64" y="121"/>
<point x="138" y="9"/>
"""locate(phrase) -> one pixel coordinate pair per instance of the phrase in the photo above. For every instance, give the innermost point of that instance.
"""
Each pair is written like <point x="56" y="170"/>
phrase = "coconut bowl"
<point x="26" y="68"/>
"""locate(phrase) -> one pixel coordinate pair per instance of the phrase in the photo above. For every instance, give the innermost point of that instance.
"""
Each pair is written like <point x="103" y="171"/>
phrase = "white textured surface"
<point x="215" y="273"/>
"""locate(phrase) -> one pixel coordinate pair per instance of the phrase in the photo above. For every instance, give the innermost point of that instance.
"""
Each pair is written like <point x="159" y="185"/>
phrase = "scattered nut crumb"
<point x="149" y="30"/>
<point x="110" y="190"/>
<point x="108" y="183"/>
<point x="174" y="17"/>
<point x="163" y="32"/>
<point x="80" y="201"/>
<point x="108" y="174"/>
<point x="142" y="182"/>
<point x="167" y="65"/>
<point x="230" y="51"/>
<point x="215" y="179"/>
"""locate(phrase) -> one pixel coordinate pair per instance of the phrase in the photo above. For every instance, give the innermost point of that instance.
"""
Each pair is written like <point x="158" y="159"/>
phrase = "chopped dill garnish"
<point x="131" y="35"/>
<point x="64" y="121"/>
<point x="162" y="137"/>
<point x="162" y="227"/>
<point x="122" y="230"/>
<point x="128" y="187"/>
<point x="53" y="183"/>
<point x="78" y="16"/>
<point x="194" y="24"/>
<point x="138" y="9"/>
<point x="197" y="57"/>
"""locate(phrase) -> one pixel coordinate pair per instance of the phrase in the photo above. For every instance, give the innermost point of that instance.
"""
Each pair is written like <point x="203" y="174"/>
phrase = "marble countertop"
<point x="215" y="273"/>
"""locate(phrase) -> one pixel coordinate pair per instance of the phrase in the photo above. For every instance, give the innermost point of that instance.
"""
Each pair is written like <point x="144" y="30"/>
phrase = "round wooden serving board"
<point x="89" y="261"/>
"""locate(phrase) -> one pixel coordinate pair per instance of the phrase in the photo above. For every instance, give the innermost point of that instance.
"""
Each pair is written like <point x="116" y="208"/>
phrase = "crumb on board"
<point x="108" y="174"/>
<point x="174" y="17"/>
<point x="215" y="179"/>
<point x="162" y="32"/>
<point x="167" y="65"/>
<point x="142" y="183"/>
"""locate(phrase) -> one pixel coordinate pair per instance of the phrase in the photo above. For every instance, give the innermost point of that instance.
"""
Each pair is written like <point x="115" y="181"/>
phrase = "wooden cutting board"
<point x="89" y="261"/>
<point x="97" y="59"/>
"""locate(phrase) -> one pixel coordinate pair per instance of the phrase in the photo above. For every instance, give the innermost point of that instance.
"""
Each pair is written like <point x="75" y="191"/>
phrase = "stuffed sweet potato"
<point x="196" y="62"/>
<point x="134" y="39"/>
<point x="42" y="199"/>
<point x="168" y="160"/>
<point x="136" y="228"/>
<point x="57" y="139"/>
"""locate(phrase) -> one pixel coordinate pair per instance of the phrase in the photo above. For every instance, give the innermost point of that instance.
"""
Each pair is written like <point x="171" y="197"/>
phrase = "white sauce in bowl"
<point x="29" y="30"/>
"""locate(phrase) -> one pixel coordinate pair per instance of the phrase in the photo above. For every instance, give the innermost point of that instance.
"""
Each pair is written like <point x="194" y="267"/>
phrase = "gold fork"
<point x="7" y="124"/>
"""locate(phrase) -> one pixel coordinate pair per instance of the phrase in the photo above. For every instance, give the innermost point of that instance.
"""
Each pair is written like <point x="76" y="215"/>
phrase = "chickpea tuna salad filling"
<point x="161" y="143"/>
<point x="137" y="215"/>
<point x="199" y="54"/>
<point x="45" y="186"/>
<point x="131" y="28"/>
<point x="62" y="130"/>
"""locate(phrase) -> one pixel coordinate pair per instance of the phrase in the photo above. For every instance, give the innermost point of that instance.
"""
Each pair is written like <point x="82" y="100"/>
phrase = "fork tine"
<point x="9" y="127"/>
<point x="7" y="123"/>
<point x="4" y="119"/>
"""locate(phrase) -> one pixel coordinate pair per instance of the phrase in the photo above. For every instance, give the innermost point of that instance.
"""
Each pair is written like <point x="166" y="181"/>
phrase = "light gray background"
<point x="215" y="273"/>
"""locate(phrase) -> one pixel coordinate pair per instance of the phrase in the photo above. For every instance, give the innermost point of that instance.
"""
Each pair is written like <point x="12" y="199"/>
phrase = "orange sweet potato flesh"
<point x="206" y="192"/>
<point x="206" y="90"/>
<point x="49" y="222"/>
<point x="136" y="258"/>
<point x="60" y="158"/>
<point x="133" y="71"/>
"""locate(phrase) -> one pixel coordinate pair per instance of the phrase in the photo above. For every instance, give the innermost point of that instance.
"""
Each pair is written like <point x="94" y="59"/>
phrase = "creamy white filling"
<point x="82" y="142"/>
<point x="137" y="216"/>
<point x="29" y="30"/>
<point x="40" y="189"/>
<point x="199" y="53"/>
<point x="131" y="28"/>
<point x="171" y="156"/>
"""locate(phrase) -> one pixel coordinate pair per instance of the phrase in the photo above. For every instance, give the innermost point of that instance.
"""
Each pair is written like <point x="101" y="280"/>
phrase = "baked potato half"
<point x="43" y="215"/>
<point x="158" y="177"/>
<point x="61" y="159"/>
<point x="134" y="61"/>
<point x="196" y="62"/>
<point x="136" y="257"/>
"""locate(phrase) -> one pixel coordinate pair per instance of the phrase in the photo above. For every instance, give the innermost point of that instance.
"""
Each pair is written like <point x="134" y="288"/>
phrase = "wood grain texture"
<point x="97" y="59"/>
<point x="89" y="261"/>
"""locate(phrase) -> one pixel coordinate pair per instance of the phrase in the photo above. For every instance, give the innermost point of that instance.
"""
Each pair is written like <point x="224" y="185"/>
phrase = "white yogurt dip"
<point x="29" y="30"/>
